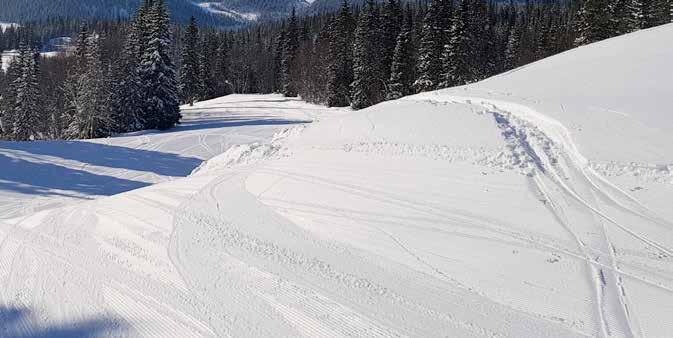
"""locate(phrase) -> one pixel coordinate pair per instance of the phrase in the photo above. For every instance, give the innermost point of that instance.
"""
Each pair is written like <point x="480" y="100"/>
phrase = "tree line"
<point x="134" y="88"/>
<point x="131" y="75"/>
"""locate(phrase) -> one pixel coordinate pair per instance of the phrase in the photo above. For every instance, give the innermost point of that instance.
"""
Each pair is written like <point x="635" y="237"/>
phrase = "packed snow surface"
<point x="533" y="204"/>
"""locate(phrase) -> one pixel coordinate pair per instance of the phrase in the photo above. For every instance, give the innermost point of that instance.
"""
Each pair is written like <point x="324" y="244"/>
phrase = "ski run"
<point x="533" y="204"/>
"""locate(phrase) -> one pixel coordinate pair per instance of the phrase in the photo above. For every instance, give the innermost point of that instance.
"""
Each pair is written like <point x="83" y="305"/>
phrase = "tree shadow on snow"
<point x="23" y="323"/>
<point x="33" y="178"/>
<point x="38" y="167"/>
<point x="211" y="123"/>
<point x="104" y="155"/>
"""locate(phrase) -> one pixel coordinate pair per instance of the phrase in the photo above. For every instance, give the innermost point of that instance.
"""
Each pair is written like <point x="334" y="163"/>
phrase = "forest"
<point x="126" y="75"/>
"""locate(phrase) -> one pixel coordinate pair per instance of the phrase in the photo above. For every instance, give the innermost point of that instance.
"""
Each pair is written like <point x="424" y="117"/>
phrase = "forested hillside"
<point x="37" y="10"/>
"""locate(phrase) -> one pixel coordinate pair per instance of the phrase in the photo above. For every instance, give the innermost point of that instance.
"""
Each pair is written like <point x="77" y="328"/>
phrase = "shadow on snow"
<point x="23" y="323"/>
<point x="24" y="168"/>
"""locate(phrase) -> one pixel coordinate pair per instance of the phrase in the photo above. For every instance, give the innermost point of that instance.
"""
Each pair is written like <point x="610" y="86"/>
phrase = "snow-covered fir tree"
<point x="340" y="68"/>
<point x="458" y="69"/>
<point x="289" y="57"/>
<point x="593" y="22"/>
<point x="402" y="69"/>
<point x="24" y="117"/>
<point x="190" y="72"/>
<point x="88" y="95"/>
<point x="627" y="16"/>
<point x="221" y="71"/>
<point x="435" y="30"/>
<point x="512" y="47"/>
<point x="128" y="101"/>
<point x="391" y="25"/>
<point x="161" y="107"/>
<point x="368" y="86"/>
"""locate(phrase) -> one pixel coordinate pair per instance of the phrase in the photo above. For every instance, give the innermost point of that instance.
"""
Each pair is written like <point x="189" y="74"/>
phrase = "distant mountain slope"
<point x="224" y="13"/>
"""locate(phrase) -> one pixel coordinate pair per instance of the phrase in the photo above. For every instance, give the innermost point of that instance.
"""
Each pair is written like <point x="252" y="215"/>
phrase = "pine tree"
<point x="512" y="48"/>
<point x="289" y="56"/>
<point x="26" y="107"/>
<point x="656" y="12"/>
<point x="207" y="63"/>
<point x="157" y="73"/>
<point x="368" y="86"/>
<point x="627" y="16"/>
<point x="88" y="95"/>
<point x="593" y="22"/>
<point x="436" y="26"/>
<point x="190" y="86"/>
<point x="221" y="71"/>
<point x="391" y="25"/>
<point x="80" y="47"/>
<point x="402" y="69"/>
<point x="278" y="61"/>
<point x="340" y="69"/>
<point x="128" y="103"/>
<point x="458" y="68"/>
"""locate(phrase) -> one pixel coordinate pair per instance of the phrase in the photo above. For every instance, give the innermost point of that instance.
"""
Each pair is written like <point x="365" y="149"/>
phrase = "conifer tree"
<point x="26" y="110"/>
<point x="157" y="73"/>
<point x="128" y="102"/>
<point x="289" y="56"/>
<point x="81" y="46"/>
<point x="458" y="69"/>
<point x="340" y="69"/>
<point x="402" y="69"/>
<point x="627" y="16"/>
<point x="368" y="84"/>
<point x="436" y="26"/>
<point x="512" y="47"/>
<point x="88" y="96"/>
<point x="278" y="60"/>
<point x="190" y="85"/>
<point x="656" y="12"/>
<point x="221" y="71"/>
<point x="391" y="25"/>
<point x="593" y="22"/>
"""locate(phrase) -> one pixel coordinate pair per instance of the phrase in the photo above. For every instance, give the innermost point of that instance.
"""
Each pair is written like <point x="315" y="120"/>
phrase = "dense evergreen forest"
<point x="131" y="75"/>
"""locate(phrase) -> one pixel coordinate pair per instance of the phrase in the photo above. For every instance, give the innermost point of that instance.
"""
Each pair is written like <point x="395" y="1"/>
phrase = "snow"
<point x="513" y="207"/>
<point x="5" y="25"/>
<point x="217" y="8"/>
<point x="9" y="55"/>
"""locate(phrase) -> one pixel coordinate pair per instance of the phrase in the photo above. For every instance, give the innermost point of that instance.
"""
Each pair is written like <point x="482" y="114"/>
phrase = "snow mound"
<point x="433" y="183"/>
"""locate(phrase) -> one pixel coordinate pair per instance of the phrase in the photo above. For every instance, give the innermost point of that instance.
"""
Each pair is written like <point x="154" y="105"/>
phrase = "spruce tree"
<point x="81" y="46"/>
<point x="26" y="107"/>
<point x="593" y="22"/>
<point x="221" y="71"/>
<point x="340" y="69"/>
<point x="458" y="67"/>
<point x="402" y="69"/>
<point x="435" y="29"/>
<point x="368" y="86"/>
<point x="157" y="73"/>
<point x="278" y="61"/>
<point x="627" y="16"/>
<point x="190" y="85"/>
<point x="289" y="56"/>
<point x="128" y="102"/>
<point x="88" y="96"/>
<point x="391" y="25"/>
<point x="512" y="47"/>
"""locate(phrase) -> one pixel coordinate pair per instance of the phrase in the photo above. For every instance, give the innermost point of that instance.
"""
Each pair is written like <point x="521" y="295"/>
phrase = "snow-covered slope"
<point x="515" y="207"/>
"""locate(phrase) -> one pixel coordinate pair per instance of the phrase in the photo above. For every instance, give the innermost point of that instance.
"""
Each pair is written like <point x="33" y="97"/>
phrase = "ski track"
<point x="558" y="161"/>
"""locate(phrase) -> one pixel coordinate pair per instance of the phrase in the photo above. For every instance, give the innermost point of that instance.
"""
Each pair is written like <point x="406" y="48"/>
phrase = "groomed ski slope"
<point x="533" y="204"/>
